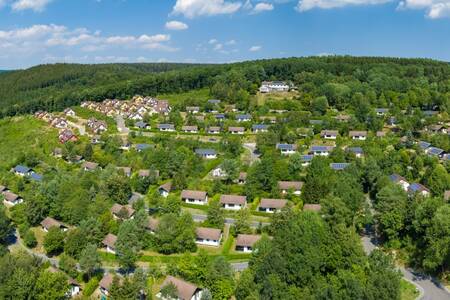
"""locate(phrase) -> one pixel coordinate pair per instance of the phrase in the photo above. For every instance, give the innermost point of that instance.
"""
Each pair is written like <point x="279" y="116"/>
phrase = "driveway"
<point x="251" y="147"/>
<point x="121" y="127"/>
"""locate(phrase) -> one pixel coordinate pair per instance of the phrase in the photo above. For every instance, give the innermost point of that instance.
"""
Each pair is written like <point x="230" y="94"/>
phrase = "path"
<point x="121" y="127"/>
<point x="251" y="147"/>
<point x="429" y="287"/>
<point x="202" y="218"/>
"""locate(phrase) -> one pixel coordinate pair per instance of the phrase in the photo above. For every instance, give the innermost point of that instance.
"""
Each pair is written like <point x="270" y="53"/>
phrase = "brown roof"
<point x="188" y="194"/>
<point x="189" y="128"/>
<point x="239" y="129"/>
<point x="247" y="240"/>
<point x="144" y="173"/>
<point x="273" y="203"/>
<point x="287" y="185"/>
<point x="152" y="224"/>
<point x="106" y="281"/>
<point x="329" y="132"/>
<point x="357" y="133"/>
<point x="208" y="233"/>
<point x="2" y="188"/>
<point x="49" y="222"/>
<point x="214" y="128"/>
<point x="89" y="165"/>
<point x="110" y="240"/>
<point x="233" y="199"/>
<point x="126" y="170"/>
<point x="11" y="197"/>
<point x="166" y="186"/>
<point x="381" y="133"/>
<point x="447" y="195"/>
<point x="185" y="289"/>
<point x="312" y="207"/>
<point x="117" y="208"/>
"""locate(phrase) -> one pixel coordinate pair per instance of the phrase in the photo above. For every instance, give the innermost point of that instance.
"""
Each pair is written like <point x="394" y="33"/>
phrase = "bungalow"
<point x="192" y="109"/>
<point x="185" y="290"/>
<point x="415" y="188"/>
<point x="194" y="197"/>
<point x="381" y="111"/>
<point x="134" y="198"/>
<point x="244" y="118"/>
<point x="89" y="166"/>
<point x="294" y="186"/>
<point x="122" y="212"/>
<point x="306" y="159"/>
<point x="218" y="173"/>
<point x="312" y="207"/>
<point x="430" y="113"/>
<point x="236" y="130"/>
<point x="233" y="202"/>
<point x="358" y="151"/>
<point x="433" y="151"/>
<point x="424" y="145"/>
<point x="190" y="129"/>
<point x="206" y="153"/>
<point x="135" y="116"/>
<point x="213" y="130"/>
<point x="287" y="149"/>
<point x="36" y="177"/>
<point x="110" y="243"/>
<point x="246" y="242"/>
<point x="447" y="195"/>
<point x="142" y="147"/>
<point x="49" y="222"/>
<point x="271" y="205"/>
<point x="242" y="178"/>
<point x="11" y="198"/>
<point x="106" y="282"/>
<point x="67" y="135"/>
<point x="397" y="179"/>
<point x="270" y="119"/>
<point x="22" y="170"/>
<point x="152" y="224"/>
<point x="208" y="236"/>
<point x="165" y="189"/>
<point x="220" y="117"/>
<point x="339" y="166"/>
<point x="60" y="123"/>
<point x="74" y="288"/>
<point x="147" y="173"/>
<point x="126" y="170"/>
<point x="260" y="128"/>
<point x="329" y="134"/>
<point x="166" y="127"/>
<point x="141" y="125"/>
<point x="321" y="150"/>
<point x="358" y="135"/>
<point x="69" y="112"/>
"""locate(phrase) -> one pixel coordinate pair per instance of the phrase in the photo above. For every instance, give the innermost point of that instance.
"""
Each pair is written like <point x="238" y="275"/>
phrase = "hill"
<point x="53" y="87"/>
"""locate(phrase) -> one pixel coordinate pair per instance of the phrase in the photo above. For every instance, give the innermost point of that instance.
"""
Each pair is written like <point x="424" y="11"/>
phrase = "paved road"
<point x="121" y="127"/>
<point x="81" y="128"/>
<point x="429" y="287"/>
<point x="251" y="147"/>
<point x="202" y="218"/>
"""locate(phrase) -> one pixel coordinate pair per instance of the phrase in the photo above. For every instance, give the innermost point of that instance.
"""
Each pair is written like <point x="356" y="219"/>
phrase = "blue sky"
<point x="98" y="31"/>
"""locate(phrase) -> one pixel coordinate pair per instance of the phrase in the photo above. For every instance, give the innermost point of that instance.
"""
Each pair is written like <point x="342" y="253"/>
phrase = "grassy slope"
<point x="22" y="135"/>
<point x="408" y="290"/>
<point x="198" y="96"/>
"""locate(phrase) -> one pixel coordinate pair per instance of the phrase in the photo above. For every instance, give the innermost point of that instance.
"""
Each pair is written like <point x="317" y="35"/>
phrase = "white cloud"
<point x="231" y="42"/>
<point x="255" y="48"/>
<point x="212" y="41"/>
<point x="435" y="9"/>
<point x="40" y="38"/>
<point x="176" y="25"/>
<point x="304" y="5"/>
<point x="218" y="47"/>
<point x="262" y="6"/>
<point x="196" y="8"/>
<point x="36" y="5"/>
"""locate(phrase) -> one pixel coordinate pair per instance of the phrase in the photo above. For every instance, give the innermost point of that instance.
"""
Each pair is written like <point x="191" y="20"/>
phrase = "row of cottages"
<point x="56" y="122"/>
<point x="24" y="171"/>
<point x="206" y="153"/>
<point x="49" y="222"/>
<point x="273" y="86"/>
<point x="430" y="150"/>
<point x="9" y="197"/>
<point x="257" y="128"/>
<point x="97" y="126"/>
<point x="412" y="188"/>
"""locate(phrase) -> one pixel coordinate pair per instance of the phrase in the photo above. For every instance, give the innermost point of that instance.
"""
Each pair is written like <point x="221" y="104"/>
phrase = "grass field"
<point x="85" y="113"/>
<point x="198" y="96"/>
<point x="408" y="290"/>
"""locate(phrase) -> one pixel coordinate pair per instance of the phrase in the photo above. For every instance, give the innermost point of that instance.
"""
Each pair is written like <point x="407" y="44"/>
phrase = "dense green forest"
<point x="418" y="82"/>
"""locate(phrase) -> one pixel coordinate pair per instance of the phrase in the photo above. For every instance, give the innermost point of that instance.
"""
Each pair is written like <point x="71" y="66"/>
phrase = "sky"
<point x="35" y="32"/>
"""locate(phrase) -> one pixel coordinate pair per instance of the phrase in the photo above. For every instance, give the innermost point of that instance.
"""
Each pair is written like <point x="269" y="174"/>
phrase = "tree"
<point x="175" y="234"/>
<point x="319" y="180"/>
<point x="215" y="215"/>
<point x="5" y="226"/>
<point x="319" y="106"/>
<point x="439" y="180"/>
<point x="30" y="239"/>
<point x="51" y="286"/>
<point x="54" y="241"/>
<point x="118" y="189"/>
<point x="128" y="244"/>
<point x="242" y="224"/>
<point x="75" y="242"/>
<point x="169" y="291"/>
<point x="437" y="253"/>
<point x="68" y="265"/>
<point x="230" y="167"/>
<point x="90" y="260"/>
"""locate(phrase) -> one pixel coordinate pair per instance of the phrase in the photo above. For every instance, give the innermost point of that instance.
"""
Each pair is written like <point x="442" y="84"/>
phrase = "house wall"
<point x="244" y="249"/>
<point x="206" y="242"/>
<point x="196" y="201"/>
<point x="110" y="250"/>
<point x="232" y="206"/>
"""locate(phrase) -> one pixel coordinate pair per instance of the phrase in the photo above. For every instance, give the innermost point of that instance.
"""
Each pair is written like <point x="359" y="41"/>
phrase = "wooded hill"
<point x="53" y="87"/>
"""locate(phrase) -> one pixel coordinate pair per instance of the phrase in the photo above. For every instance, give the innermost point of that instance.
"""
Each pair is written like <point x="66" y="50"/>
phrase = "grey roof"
<point x="208" y="233"/>
<point x="286" y="185"/>
<point x="273" y="203"/>
<point x="339" y="166"/>
<point x="166" y="126"/>
<point x="247" y="240"/>
<point x="424" y="145"/>
<point x="290" y="147"/>
<point x="204" y="152"/>
<point x="36" y="177"/>
<point x="435" y="151"/>
<point x="189" y="194"/>
<point x="233" y="199"/>
<point x="21" y="169"/>
<point x="321" y="148"/>
<point x="356" y="150"/>
<point x="260" y="127"/>
<point x="307" y="158"/>
<point x="141" y="147"/>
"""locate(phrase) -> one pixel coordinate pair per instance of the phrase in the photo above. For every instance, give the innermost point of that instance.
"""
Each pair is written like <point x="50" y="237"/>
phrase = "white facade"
<point x="359" y="137"/>
<point x="196" y="201"/>
<point x="230" y="206"/>
<point x="287" y="151"/>
<point x="296" y="192"/>
<point x="329" y="137"/>
<point x="273" y="86"/>
<point x="13" y="203"/>
<point x="208" y="242"/>
<point x="245" y="249"/>
<point x="110" y="250"/>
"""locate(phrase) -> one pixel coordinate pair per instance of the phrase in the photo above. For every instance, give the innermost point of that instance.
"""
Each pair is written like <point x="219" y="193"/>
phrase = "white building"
<point x="273" y="86"/>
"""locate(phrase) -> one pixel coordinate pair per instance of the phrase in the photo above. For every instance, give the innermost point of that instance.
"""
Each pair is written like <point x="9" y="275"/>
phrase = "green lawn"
<point x="85" y="113"/>
<point x="198" y="95"/>
<point x="408" y="290"/>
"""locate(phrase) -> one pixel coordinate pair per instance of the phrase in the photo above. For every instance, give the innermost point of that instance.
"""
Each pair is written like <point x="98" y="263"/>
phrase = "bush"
<point x="90" y="287"/>
<point x="29" y="239"/>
